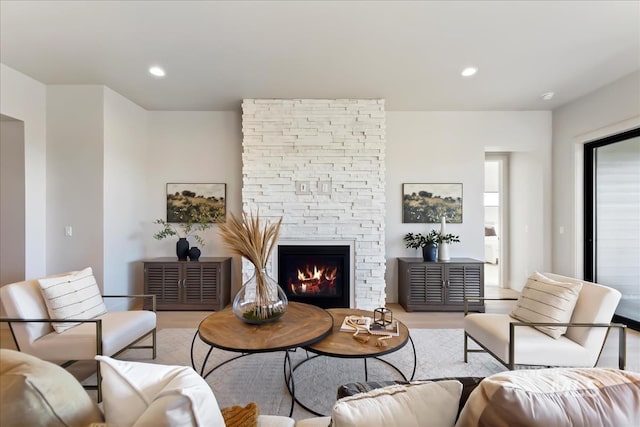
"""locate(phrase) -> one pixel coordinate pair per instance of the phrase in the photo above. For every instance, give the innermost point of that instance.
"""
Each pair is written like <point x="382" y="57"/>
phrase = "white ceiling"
<point x="410" y="53"/>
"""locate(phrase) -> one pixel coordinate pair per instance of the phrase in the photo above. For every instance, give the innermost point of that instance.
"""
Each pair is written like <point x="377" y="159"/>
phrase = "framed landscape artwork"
<point x="427" y="203"/>
<point x="196" y="203"/>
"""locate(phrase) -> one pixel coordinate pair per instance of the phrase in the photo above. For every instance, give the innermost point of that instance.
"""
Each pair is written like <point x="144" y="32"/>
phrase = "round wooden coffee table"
<point x="341" y="344"/>
<point x="300" y="326"/>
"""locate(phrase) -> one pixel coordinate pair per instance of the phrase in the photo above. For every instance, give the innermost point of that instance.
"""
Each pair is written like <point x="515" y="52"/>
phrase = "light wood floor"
<point x="418" y="320"/>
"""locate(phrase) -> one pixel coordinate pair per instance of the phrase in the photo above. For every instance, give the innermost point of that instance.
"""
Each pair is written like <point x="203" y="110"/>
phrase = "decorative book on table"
<point x="365" y="324"/>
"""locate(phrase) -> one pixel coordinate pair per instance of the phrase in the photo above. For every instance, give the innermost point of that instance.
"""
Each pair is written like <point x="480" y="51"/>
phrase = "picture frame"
<point x="196" y="203"/>
<point x="429" y="202"/>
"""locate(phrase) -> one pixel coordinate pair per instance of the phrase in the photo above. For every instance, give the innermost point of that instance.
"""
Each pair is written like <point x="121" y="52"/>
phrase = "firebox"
<point x="317" y="275"/>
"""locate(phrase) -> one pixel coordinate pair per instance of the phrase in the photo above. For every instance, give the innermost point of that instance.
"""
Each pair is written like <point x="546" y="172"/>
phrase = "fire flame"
<point x="314" y="280"/>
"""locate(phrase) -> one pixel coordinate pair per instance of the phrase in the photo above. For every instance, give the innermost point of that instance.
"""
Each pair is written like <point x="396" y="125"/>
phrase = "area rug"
<point x="259" y="377"/>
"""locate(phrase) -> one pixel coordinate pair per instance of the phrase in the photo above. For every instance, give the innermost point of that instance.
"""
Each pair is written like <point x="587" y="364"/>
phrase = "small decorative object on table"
<point x="362" y="327"/>
<point x="261" y="299"/>
<point x="382" y="317"/>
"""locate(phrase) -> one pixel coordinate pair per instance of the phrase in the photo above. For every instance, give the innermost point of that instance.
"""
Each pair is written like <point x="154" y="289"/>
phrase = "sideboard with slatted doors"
<point x="188" y="285"/>
<point x="440" y="285"/>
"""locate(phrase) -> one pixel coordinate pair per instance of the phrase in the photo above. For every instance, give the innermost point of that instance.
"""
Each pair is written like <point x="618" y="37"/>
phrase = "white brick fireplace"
<point x="320" y="164"/>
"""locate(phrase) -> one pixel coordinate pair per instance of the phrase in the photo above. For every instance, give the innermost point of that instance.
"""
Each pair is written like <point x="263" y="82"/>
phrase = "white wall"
<point x="607" y="111"/>
<point x="75" y="120"/>
<point x="450" y="147"/>
<point x="12" y="244"/>
<point x="24" y="98"/>
<point x="125" y="192"/>
<point x="192" y="147"/>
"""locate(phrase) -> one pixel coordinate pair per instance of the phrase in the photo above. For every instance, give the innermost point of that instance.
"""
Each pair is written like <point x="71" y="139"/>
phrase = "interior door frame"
<point x="503" y="194"/>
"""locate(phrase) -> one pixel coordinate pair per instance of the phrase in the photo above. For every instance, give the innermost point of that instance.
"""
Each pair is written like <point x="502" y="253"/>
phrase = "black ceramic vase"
<point x="182" y="249"/>
<point x="430" y="252"/>
<point x="194" y="253"/>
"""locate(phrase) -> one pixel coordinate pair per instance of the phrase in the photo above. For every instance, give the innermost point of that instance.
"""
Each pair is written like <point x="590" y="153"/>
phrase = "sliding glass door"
<point x="612" y="218"/>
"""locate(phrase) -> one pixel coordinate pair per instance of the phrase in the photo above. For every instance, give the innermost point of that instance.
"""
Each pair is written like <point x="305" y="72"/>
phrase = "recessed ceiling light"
<point x="157" y="71"/>
<point x="469" y="71"/>
<point x="547" y="96"/>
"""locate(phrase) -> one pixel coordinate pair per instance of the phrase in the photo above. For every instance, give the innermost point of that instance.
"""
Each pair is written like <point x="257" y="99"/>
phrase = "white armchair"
<point x="513" y="342"/>
<point x="108" y="334"/>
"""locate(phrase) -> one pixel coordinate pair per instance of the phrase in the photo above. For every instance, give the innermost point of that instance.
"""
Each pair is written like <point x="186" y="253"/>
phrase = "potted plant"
<point x="184" y="230"/>
<point x="428" y="243"/>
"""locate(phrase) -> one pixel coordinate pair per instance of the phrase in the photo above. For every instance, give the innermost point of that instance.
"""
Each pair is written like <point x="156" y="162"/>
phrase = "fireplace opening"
<point x="315" y="274"/>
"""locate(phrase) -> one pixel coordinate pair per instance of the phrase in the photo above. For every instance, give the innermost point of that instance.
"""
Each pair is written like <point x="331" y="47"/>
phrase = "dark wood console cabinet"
<point x="440" y="285"/>
<point x="188" y="285"/>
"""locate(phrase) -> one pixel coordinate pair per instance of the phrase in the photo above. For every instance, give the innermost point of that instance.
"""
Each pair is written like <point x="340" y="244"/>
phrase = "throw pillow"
<point x="238" y="416"/>
<point x="34" y="392"/>
<point x="145" y="394"/>
<point x="412" y="405"/>
<point x="547" y="301"/>
<point x="73" y="296"/>
<point x="555" y="397"/>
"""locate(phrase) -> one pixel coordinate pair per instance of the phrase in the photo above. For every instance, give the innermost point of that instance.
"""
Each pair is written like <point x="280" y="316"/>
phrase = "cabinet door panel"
<point x="456" y="285"/>
<point x="201" y="283"/>
<point x="474" y="280"/>
<point x="417" y="284"/>
<point x="162" y="280"/>
<point x="464" y="281"/>
<point x="435" y="280"/>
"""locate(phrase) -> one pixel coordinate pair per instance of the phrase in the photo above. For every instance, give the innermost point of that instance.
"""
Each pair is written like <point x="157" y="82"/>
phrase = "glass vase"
<point x="260" y="300"/>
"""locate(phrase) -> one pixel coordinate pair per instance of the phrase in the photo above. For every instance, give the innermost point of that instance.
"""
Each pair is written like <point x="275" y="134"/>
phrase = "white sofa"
<point x="35" y="392"/>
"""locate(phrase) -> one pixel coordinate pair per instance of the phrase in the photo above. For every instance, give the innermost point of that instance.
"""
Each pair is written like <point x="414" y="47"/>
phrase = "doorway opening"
<point x="495" y="218"/>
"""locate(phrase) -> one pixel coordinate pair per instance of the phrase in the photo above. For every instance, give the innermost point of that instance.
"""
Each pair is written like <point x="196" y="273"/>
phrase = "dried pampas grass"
<point x="247" y="238"/>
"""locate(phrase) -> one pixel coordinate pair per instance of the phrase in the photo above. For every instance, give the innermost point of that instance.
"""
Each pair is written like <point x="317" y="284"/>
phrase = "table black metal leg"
<point x="193" y="341"/>
<point x="292" y="390"/>
<point x="366" y="371"/>
<point x="206" y="359"/>
<point x="415" y="359"/>
<point x="219" y="365"/>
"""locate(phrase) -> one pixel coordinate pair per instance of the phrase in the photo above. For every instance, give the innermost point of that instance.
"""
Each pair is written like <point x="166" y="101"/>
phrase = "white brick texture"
<point x="313" y="140"/>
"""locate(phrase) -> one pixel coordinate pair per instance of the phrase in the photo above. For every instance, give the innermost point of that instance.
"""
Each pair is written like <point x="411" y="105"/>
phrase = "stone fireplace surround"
<point x="335" y="148"/>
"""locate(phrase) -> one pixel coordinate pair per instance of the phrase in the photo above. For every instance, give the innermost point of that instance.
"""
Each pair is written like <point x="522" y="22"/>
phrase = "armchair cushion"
<point x="532" y="347"/>
<point x="72" y="296"/>
<point x="546" y="300"/>
<point x="119" y="329"/>
<point x="38" y="393"/>
<point x="144" y="394"/>
<point x="554" y="397"/>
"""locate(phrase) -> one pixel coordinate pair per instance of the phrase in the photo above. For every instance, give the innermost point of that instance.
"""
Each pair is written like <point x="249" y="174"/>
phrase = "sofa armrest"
<point x="622" y="337"/>
<point x="152" y="296"/>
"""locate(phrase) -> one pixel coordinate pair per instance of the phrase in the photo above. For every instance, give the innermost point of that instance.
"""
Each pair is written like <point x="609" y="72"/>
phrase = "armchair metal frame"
<point x="511" y="364"/>
<point x="98" y="323"/>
